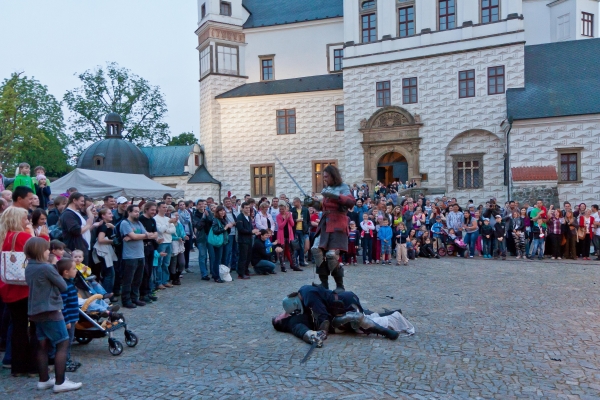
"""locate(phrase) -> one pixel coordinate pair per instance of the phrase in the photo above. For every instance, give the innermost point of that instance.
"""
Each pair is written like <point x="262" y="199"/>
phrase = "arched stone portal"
<point x="392" y="167"/>
<point x="391" y="130"/>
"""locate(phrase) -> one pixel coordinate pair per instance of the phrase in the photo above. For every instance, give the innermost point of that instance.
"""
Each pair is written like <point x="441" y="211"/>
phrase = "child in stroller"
<point x="459" y="245"/>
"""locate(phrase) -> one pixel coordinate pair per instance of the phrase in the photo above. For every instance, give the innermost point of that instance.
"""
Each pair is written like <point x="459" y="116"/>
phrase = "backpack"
<point x="118" y="237"/>
<point x="55" y="232"/>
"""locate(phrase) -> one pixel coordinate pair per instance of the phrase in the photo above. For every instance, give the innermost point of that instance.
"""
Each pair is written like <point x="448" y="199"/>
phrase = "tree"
<point x="114" y="89"/>
<point x="184" y="139"/>
<point x="31" y="126"/>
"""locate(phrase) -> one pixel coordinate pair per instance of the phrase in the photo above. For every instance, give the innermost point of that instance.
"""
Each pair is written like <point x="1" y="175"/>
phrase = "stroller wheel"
<point x="115" y="347"/>
<point x="130" y="339"/>
<point x="82" y="340"/>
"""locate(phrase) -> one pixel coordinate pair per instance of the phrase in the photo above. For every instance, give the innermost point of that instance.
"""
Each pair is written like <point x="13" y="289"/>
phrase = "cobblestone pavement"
<point x="485" y="329"/>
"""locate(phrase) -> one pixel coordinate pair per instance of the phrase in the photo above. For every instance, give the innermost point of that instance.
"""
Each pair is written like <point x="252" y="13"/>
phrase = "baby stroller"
<point x="99" y="324"/>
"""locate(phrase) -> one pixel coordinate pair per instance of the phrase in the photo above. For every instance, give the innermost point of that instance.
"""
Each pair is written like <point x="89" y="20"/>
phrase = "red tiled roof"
<point x="520" y="174"/>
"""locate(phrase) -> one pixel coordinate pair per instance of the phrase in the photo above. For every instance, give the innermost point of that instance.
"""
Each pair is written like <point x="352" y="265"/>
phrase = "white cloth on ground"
<point x="395" y="321"/>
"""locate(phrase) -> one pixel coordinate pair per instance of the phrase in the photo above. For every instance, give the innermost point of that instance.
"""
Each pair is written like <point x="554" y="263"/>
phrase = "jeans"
<point x="264" y="266"/>
<point x="301" y="236"/>
<point x="218" y="259"/>
<point x="501" y="247"/>
<point x="202" y="253"/>
<point x="367" y="245"/>
<point x="487" y="246"/>
<point x="231" y="253"/>
<point x="161" y="275"/>
<point x="596" y="241"/>
<point x="133" y="271"/>
<point x="108" y="277"/>
<point x="538" y="245"/>
<point x="470" y="240"/>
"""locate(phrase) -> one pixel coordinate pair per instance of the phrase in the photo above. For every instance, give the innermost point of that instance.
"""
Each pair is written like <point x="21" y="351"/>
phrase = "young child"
<point x="78" y="258"/>
<point x="366" y="237"/>
<point x="352" y="242"/>
<point x="23" y="178"/>
<point x="539" y="237"/>
<point x="401" y="245"/>
<point x="67" y="269"/>
<point x="456" y="242"/>
<point x="45" y="310"/>
<point x="519" y="237"/>
<point x="487" y="233"/>
<point x="411" y="249"/>
<point x="57" y="248"/>
<point x="499" y="233"/>
<point x="385" y="237"/>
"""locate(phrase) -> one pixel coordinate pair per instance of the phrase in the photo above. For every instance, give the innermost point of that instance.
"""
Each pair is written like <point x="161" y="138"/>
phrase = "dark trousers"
<point x="570" y="248"/>
<point x="145" y="288"/>
<point x="22" y="350"/>
<point x="217" y="257"/>
<point x="554" y="244"/>
<point x="245" y="257"/>
<point x="585" y="245"/>
<point x="133" y="271"/>
<point x="118" y="270"/>
<point x="188" y="247"/>
<point x="596" y="241"/>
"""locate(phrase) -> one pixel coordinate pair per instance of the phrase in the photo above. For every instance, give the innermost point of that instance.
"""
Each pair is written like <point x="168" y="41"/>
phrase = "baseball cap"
<point x="486" y="219"/>
<point x="498" y="216"/>
<point x="122" y="200"/>
<point x="293" y="305"/>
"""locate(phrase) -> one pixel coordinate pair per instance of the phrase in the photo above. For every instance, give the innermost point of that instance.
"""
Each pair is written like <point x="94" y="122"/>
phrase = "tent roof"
<point x="101" y="183"/>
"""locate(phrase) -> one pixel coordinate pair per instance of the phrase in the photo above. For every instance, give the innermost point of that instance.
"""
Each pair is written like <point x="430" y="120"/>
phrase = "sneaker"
<point x="559" y="258"/>
<point x="71" y="367"/>
<point x="553" y="258"/>
<point x="472" y="256"/>
<point x="49" y="384"/>
<point x="304" y="264"/>
<point x="67" y="386"/>
<point x="518" y="257"/>
<point x="6" y="366"/>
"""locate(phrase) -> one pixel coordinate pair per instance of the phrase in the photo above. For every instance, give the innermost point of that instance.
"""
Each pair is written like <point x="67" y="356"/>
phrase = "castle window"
<point x="495" y="80"/>
<point x="263" y="180"/>
<point x="203" y="10"/>
<point x="286" y="122"/>
<point x="384" y="96"/>
<point x="569" y="164"/>
<point x="368" y="20"/>
<point x="409" y="91"/>
<point x="587" y="21"/>
<point x="225" y="8"/>
<point x="227" y="60"/>
<point x="447" y="14"/>
<point x="338" y="59"/>
<point x="317" y="173"/>
<point x="406" y="21"/>
<point x="468" y="171"/>
<point x="205" y="61"/>
<point x="267" y="68"/>
<point x="490" y="11"/>
<point x="339" y="118"/>
<point x="466" y="84"/>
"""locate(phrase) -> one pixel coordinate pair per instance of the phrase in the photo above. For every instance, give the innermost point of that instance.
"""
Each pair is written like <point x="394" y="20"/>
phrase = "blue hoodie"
<point x="385" y="233"/>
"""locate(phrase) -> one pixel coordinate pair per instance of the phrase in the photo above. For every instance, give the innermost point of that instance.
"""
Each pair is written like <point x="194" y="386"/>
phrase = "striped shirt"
<point x="70" y="303"/>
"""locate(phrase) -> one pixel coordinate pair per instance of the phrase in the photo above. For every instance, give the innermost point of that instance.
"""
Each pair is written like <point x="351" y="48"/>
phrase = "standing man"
<point x="77" y="229"/>
<point x="596" y="230"/>
<point x="231" y="257"/>
<point x="150" y="245"/>
<point x="22" y="197"/>
<point x="168" y="199"/>
<point x="245" y="235"/>
<point x="202" y="221"/>
<point x="302" y="220"/>
<point x="165" y="227"/>
<point x="109" y="202"/>
<point x="185" y="218"/>
<point x="134" y="234"/>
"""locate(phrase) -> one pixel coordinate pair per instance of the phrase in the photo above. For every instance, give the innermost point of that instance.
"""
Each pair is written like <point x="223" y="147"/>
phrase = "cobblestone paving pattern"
<point x="485" y="329"/>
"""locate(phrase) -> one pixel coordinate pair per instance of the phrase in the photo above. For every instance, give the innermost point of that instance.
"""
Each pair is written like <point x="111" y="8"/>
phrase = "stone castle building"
<point x="462" y="96"/>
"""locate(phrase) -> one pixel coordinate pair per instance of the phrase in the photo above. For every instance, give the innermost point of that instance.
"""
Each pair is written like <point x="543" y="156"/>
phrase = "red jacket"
<point x="287" y="224"/>
<point x="582" y="224"/>
<point x="12" y="293"/>
<point x="336" y="219"/>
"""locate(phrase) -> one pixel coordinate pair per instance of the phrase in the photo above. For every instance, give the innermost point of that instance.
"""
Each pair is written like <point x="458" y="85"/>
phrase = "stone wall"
<point x="530" y="194"/>
<point x="444" y="115"/>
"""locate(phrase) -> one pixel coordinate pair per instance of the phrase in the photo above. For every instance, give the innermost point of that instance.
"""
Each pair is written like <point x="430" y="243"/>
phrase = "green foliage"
<point x="114" y="89"/>
<point x="31" y="126"/>
<point x="184" y="139"/>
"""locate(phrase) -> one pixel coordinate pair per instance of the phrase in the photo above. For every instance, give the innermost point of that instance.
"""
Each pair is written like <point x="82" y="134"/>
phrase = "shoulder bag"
<point x="214" y="239"/>
<point x="12" y="265"/>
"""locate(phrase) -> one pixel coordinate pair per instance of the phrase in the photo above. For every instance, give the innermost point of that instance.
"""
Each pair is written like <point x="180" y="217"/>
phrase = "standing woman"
<point x="471" y="228"/>
<point x="586" y="225"/>
<point x="105" y="251"/>
<point x="185" y="218"/>
<point x="220" y="227"/>
<point x="285" y="236"/>
<point x="554" y="234"/>
<point x="15" y="226"/>
<point x="516" y="222"/>
<point x="571" y="226"/>
<point x="263" y="219"/>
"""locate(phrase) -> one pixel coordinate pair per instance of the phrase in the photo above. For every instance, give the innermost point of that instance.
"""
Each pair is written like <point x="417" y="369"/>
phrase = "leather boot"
<point x="295" y="266"/>
<point x="280" y="257"/>
<point x="338" y="276"/>
<point x="380" y="330"/>
<point x="324" y="281"/>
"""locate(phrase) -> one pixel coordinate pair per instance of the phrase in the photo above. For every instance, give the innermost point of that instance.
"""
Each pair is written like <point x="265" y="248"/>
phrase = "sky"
<point x="55" y="40"/>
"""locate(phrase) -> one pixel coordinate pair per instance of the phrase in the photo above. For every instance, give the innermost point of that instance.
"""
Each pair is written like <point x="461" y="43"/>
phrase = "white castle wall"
<point x="443" y="114"/>
<point x="534" y="143"/>
<point x="249" y="136"/>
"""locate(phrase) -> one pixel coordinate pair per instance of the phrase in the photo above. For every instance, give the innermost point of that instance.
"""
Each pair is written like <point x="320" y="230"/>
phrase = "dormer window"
<point x="368" y="21"/>
<point x="98" y="160"/>
<point x="226" y="8"/>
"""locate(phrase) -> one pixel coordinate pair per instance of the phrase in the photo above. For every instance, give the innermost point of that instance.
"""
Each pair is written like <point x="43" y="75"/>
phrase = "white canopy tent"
<point x="98" y="184"/>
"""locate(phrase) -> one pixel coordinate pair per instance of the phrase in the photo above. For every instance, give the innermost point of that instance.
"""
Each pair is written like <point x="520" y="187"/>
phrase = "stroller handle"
<point x="89" y="301"/>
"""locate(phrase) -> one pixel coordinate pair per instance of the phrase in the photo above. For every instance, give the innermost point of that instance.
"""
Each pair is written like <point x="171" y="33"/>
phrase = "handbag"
<point x="295" y="244"/>
<point x="216" y="240"/>
<point x="581" y="233"/>
<point x="12" y="265"/>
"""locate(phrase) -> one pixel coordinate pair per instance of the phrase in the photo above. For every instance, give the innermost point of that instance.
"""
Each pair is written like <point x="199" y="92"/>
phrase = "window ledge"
<point x="569" y="182"/>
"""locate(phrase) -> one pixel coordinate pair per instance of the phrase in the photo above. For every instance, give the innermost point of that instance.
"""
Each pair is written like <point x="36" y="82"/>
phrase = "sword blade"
<point x="291" y="177"/>
<point x="312" y="348"/>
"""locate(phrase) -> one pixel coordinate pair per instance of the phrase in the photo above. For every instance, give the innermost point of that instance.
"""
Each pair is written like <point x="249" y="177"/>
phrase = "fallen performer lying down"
<point x="314" y="312"/>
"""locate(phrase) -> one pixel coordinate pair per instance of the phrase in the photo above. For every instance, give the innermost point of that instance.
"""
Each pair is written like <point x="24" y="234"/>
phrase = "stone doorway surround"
<point x="391" y="129"/>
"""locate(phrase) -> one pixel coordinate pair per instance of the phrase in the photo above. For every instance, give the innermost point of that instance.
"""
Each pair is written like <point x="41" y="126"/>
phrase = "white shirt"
<point x="596" y="217"/>
<point x="165" y="228"/>
<point x="261" y="221"/>
<point x="274" y="211"/>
